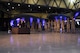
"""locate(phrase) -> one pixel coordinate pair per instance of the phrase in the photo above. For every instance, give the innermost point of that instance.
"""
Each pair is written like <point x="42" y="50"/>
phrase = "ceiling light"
<point x="38" y="6"/>
<point x="7" y="9"/>
<point x="28" y="5"/>
<point x="49" y="7"/>
<point x="8" y="3"/>
<point x="18" y="4"/>
<point x="72" y="1"/>
<point x="12" y="7"/>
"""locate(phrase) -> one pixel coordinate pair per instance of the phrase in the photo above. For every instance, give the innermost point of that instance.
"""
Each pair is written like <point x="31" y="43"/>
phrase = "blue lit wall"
<point x="43" y="22"/>
<point x="61" y="17"/>
<point x="30" y="19"/>
<point x="15" y="21"/>
<point x="38" y="20"/>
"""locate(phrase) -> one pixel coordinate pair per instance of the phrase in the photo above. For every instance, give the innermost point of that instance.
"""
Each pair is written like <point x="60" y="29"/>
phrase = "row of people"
<point x="48" y="26"/>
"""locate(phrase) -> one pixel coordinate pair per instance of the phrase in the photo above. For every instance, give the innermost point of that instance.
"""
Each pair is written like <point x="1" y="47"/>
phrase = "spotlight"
<point x="8" y="3"/>
<point x="38" y="21"/>
<point x="78" y="22"/>
<point x="49" y="7"/>
<point x="7" y="9"/>
<point x="31" y="20"/>
<point x="28" y="5"/>
<point x="12" y="23"/>
<point x="12" y="7"/>
<point x="18" y="19"/>
<point x="18" y="4"/>
<point x="43" y="22"/>
<point x="38" y="6"/>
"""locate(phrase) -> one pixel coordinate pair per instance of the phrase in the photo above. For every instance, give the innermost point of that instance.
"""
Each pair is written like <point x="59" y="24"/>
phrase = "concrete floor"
<point x="40" y="43"/>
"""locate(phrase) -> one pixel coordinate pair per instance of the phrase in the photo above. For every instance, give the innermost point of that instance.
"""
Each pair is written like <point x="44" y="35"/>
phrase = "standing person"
<point x="23" y="24"/>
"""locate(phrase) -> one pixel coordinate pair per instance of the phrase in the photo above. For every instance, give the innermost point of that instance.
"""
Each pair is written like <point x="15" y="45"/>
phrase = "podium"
<point x="23" y="30"/>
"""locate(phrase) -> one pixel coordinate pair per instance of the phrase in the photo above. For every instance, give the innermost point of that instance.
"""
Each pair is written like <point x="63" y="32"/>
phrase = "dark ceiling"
<point x="29" y="8"/>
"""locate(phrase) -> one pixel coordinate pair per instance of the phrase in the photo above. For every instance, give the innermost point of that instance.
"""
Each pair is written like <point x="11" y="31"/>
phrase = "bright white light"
<point x="7" y="9"/>
<point x="28" y="5"/>
<point x="12" y="7"/>
<point x="18" y="4"/>
<point x="65" y="21"/>
<point x="38" y="6"/>
<point x="77" y="22"/>
<point x="8" y="3"/>
<point x="49" y="7"/>
<point x="72" y="1"/>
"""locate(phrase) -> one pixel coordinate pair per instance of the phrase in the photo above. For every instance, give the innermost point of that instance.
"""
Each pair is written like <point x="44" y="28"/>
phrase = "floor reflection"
<point x="18" y="43"/>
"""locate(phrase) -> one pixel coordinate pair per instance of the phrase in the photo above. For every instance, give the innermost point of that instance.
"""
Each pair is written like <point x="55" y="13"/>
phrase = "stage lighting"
<point x="8" y="3"/>
<point x="23" y="19"/>
<point x="38" y="20"/>
<point x="76" y="14"/>
<point x="31" y="20"/>
<point x="18" y="19"/>
<point x="7" y="9"/>
<point x="11" y="23"/>
<point x="43" y="22"/>
<point x="12" y="7"/>
<point x="78" y="22"/>
<point x="60" y="17"/>
<point x="49" y="7"/>
<point x="28" y="5"/>
<point x="65" y="19"/>
<point x="38" y="6"/>
<point x="18" y="4"/>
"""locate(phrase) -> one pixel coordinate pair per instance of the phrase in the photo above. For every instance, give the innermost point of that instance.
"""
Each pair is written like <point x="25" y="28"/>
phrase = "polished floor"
<point x="49" y="42"/>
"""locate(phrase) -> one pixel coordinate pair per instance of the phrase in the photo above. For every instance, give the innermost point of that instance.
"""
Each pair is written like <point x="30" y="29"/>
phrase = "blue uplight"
<point x="38" y="20"/>
<point x="31" y="20"/>
<point x="23" y="19"/>
<point x="56" y="18"/>
<point x="60" y="17"/>
<point x="65" y="19"/>
<point x="76" y="14"/>
<point x="11" y="23"/>
<point x="18" y="19"/>
<point x="43" y="22"/>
